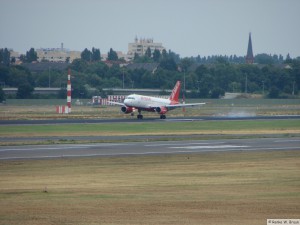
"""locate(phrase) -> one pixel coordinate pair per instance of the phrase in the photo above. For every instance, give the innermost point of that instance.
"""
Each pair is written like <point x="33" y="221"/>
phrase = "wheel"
<point x="163" y="116"/>
<point x="140" y="117"/>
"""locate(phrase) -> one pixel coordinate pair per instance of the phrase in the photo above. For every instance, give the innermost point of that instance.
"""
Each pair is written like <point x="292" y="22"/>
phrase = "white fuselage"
<point x="153" y="104"/>
<point x="145" y="102"/>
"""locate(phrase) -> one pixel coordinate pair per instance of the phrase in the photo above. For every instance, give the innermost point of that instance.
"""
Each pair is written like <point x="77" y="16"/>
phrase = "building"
<point x="249" y="56"/>
<point x="120" y="54"/>
<point x="140" y="47"/>
<point x="14" y="55"/>
<point x="57" y="55"/>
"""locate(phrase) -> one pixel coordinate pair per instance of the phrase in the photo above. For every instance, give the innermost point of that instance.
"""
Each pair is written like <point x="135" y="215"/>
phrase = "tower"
<point x="249" y="56"/>
<point x="69" y="91"/>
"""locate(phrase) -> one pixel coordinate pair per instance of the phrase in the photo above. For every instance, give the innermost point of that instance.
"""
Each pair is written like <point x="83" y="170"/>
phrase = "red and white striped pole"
<point x="69" y="91"/>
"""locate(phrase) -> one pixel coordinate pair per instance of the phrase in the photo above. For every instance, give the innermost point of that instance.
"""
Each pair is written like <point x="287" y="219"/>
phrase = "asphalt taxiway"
<point x="146" y="148"/>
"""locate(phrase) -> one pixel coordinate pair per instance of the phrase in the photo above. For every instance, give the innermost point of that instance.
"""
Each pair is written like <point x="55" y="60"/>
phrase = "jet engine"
<point x="127" y="110"/>
<point x="161" y="110"/>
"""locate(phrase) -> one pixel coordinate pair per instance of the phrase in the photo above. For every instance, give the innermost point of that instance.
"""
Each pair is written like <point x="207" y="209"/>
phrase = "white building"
<point x="140" y="47"/>
<point x="120" y="55"/>
<point x="57" y="54"/>
<point x="14" y="55"/>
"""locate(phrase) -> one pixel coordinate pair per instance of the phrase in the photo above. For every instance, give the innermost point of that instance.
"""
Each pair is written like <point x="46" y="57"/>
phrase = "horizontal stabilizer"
<point x="116" y="103"/>
<point x="185" y="105"/>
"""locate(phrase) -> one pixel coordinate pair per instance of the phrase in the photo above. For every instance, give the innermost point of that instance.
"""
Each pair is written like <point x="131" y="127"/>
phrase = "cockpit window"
<point x="130" y="97"/>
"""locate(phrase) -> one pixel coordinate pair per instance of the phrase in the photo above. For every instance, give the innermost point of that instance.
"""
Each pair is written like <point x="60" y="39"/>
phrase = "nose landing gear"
<point x="140" y="116"/>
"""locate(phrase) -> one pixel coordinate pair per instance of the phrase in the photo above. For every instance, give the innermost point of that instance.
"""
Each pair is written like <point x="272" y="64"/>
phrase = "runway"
<point x="146" y="120"/>
<point x="146" y="148"/>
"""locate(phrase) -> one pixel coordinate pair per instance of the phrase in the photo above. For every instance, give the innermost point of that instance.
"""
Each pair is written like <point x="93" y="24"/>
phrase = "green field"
<point x="155" y="128"/>
<point x="150" y="131"/>
<point x="209" y="188"/>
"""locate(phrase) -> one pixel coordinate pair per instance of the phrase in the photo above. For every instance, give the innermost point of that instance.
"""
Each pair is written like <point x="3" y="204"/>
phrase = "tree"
<point x="201" y="70"/>
<point x="86" y="55"/>
<point x="274" y="92"/>
<point x="112" y="55"/>
<point x="31" y="56"/>
<point x="5" y="56"/>
<point x="288" y="59"/>
<point x="24" y="91"/>
<point x="4" y="74"/>
<point x="96" y="55"/>
<point x="264" y="59"/>
<point x="18" y="75"/>
<point x="13" y="60"/>
<point x="22" y="58"/>
<point x="217" y="92"/>
<point x="295" y="73"/>
<point x="203" y="92"/>
<point x="79" y="65"/>
<point x="174" y="56"/>
<point x="79" y="90"/>
<point x="148" y="52"/>
<point x="136" y="57"/>
<point x="1" y="55"/>
<point x="156" y="55"/>
<point x="168" y="64"/>
<point x="185" y="63"/>
<point x="164" y="54"/>
<point x="2" y="95"/>
<point x="62" y="93"/>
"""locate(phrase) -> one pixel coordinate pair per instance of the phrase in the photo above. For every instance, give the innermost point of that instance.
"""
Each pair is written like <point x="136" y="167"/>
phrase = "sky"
<point x="187" y="27"/>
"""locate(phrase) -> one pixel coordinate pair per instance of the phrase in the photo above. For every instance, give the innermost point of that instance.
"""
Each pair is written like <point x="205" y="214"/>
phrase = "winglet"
<point x="175" y="93"/>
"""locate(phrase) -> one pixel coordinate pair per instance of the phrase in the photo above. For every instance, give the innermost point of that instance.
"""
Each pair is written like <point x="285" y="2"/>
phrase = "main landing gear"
<point x="163" y="117"/>
<point x="140" y="116"/>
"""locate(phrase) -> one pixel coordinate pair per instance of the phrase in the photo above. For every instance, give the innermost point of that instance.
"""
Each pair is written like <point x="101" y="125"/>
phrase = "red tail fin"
<point x="175" y="93"/>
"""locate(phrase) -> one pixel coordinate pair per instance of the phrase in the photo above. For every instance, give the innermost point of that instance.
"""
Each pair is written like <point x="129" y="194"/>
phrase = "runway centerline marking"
<point x="178" y="144"/>
<point x="40" y="148"/>
<point x="284" y="141"/>
<point x="183" y="120"/>
<point x="211" y="147"/>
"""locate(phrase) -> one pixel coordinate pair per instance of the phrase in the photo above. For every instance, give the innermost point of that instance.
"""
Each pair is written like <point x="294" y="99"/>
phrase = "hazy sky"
<point x="187" y="27"/>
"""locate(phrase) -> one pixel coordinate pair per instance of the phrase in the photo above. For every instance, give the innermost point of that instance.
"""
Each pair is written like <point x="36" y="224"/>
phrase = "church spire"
<point x="249" y="56"/>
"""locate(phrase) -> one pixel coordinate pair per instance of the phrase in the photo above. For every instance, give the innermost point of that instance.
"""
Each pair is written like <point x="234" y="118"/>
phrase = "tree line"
<point x="90" y="75"/>
<point x="5" y="58"/>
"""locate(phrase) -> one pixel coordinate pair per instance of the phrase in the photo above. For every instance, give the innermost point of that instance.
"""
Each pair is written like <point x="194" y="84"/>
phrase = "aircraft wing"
<point x="184" y="105"/>
<point x="117" y="103"/>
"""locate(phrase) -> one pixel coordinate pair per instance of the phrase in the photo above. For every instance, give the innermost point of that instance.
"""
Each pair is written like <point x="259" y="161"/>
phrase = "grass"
<point x="16" y="109"/>
<point x="154" y="128"/>
<point x="210" y="188"/>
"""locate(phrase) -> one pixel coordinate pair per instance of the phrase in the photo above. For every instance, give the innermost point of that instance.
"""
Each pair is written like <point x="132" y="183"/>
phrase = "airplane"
<point x="153" y="104"/>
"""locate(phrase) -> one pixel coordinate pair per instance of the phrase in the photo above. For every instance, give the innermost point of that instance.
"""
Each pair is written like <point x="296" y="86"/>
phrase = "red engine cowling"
<point x="161" y="110"/>
<point x="127" y="110"/>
